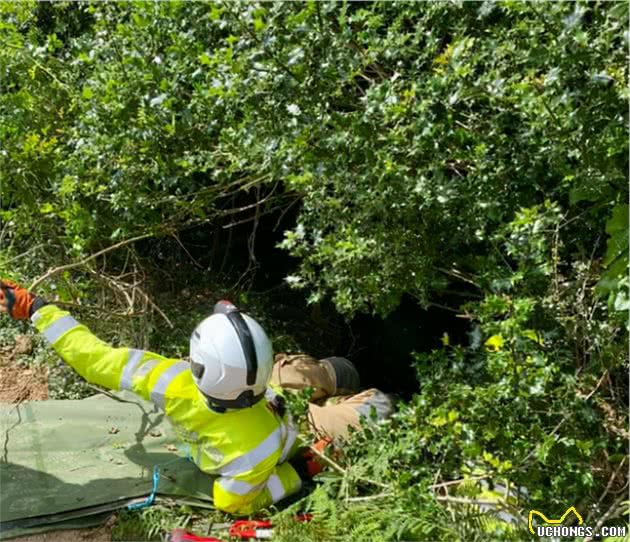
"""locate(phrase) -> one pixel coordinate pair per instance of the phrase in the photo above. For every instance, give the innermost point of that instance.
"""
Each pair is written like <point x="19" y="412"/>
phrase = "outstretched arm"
<point x="147" y="374"/>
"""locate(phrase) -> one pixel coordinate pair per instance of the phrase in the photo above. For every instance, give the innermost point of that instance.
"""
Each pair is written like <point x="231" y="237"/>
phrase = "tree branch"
<point x="61" y="268"/>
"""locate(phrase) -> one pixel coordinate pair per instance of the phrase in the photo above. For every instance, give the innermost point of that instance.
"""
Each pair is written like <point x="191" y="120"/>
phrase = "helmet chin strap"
<point x="214" y="408"/>
<point x="245" y="400"/>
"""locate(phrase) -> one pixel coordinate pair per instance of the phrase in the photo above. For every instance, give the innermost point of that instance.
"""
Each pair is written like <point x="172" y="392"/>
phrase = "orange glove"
<point x="18" y="302"/>
<point x="308" y="464"/>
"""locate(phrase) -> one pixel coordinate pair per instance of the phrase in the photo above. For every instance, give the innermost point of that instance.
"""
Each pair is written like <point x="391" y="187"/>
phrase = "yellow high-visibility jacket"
<point x="246" y="449"/>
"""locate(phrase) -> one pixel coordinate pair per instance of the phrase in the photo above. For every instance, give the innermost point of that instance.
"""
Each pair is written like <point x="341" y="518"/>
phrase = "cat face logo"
<point x="553" y="521"/>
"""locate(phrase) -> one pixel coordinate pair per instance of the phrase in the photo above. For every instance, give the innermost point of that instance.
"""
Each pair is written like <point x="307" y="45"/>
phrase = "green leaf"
<point x="494" y="343"/>
<point x="259" y="24"/>
<point x="617" y="229"/>
<point x="616" y="258"/>
<point x="46" y="208"/>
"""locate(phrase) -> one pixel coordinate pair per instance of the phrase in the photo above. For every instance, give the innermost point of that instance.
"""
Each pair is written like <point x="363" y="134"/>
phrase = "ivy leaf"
<point x="494" y="343"/>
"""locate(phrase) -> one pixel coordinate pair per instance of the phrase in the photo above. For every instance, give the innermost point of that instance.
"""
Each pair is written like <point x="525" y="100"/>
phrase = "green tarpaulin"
<point x="63" y="460"/>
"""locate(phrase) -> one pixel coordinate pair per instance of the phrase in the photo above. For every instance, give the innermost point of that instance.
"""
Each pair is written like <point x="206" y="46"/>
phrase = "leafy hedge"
<point x="470" y="150"/>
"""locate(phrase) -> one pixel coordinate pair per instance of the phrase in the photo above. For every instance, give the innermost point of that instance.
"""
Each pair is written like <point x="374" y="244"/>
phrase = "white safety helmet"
<point x="230" y="358"/>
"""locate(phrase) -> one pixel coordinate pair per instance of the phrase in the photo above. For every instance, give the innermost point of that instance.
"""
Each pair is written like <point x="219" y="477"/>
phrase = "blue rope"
<point x="151" y="498"/>
<point x="156" y="480"/>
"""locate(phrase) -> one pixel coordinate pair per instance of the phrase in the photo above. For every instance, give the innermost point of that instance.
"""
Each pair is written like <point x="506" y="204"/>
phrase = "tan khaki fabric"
<point x="334" y="420"/>
<point x="330" y="414"/>
<point x="300" y="371"/>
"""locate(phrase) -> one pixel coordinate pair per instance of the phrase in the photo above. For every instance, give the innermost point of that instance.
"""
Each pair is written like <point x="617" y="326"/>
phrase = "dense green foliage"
<point x="471" y="152"/>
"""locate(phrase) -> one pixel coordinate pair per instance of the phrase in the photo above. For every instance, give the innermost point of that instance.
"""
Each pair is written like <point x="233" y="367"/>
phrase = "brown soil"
<point x="19" y="383"/>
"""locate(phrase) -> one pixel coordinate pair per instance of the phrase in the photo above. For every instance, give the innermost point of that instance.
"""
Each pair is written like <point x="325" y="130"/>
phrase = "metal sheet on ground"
<point x="74" y="457"/>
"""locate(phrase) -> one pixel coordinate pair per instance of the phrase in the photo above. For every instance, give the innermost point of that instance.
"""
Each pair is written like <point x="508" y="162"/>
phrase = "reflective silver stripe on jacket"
<point x="238" y="486"/>
<point x="248" y="461"/>
<point x="275" y="487"/>
<point x="289" y="441"/>
<point x="159" y="389"/>
<point x="59" y="327"/>
<point x="144" y="369"/>
<point x="283" y="434"/>
<point x="132" y="362"/>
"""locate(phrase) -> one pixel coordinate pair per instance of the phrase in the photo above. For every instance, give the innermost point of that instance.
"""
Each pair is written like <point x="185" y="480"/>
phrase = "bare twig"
<point x="555" y="258"/>
<point x="224" y="191"/>
<point x="156" y="308"/>
<point x="383" y="495"/>
<point x="458" y="275"/>
<point x="463" y="500"/>
<point x="599" y="383"/>
<point x="499" y="505"/>
<point x="197" y="264"/>
<point x="343" y="471"/>
<point x="553" y="432"/>
<point x="608" y="513"/>
<point x="32" y="249"/>
<point x="61" y="268"/>
<point x="251" y="240"/>
<point x="577" y="217"/>
<point x="330" y="462"/>
<point x="607" y="490"/>
<point x="40" y="66"/>
<point x="372" y="63"/>
<point x="105" y="392"/>
<point x="286" y="209"/>
<point x="449" y="309"/>
<point x="436" y="477"/>
<point x="228" y="245"/>
<point x="97" y="308"/>
<point x="256" y="204"/>
<point x="129" y="291"/>
<point x="460" y="481"/>
<point x="262" y="213"/>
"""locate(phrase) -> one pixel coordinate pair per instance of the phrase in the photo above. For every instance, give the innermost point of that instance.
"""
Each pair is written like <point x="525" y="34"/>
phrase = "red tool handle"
<point x="245" y="529"/>
<point x="181" y="535"/>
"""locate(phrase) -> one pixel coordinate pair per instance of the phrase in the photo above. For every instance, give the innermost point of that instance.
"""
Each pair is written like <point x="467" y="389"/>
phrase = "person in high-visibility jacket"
<point x="221" y="402"/>
<point x="217" y="400"/>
